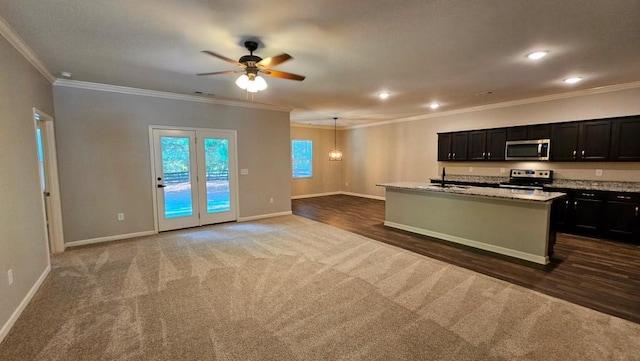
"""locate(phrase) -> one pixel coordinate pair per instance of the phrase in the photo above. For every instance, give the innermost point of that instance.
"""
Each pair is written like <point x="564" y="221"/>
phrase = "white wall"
<point x="23" y="246"/>
<point x="105" y="167"/>
<point x="407" y="151"/>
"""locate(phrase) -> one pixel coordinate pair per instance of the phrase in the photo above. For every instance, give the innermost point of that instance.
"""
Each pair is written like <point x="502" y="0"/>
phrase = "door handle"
<point x="454" y="155"/>
<point x="582" y="153"/>
<point x="489" y="155"/>
<point x="574" y="154"/>
<point x="161" y="186"/>
<point x="449" y="157"/>
<point x="484" y="154"/>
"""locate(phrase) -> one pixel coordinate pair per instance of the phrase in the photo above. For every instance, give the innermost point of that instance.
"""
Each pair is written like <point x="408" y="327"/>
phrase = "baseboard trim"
<point x="108" y="239"/>
<point x="262" y="216"/>
<point x="14" y="317"/>
<point x="315" y="195"/>
<point x="364" y="195"/>
<point x="468" y="242"/>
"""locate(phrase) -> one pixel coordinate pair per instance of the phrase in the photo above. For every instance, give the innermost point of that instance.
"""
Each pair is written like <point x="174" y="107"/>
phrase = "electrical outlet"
<point x="503" y="170"/>
<point x="10" y="276"/>
<point x="470" y="169"/>
<point x="598" y="172"/>
<point x="121" y="216"/>
<point x="346" y="184"/>
<point x="244" y="171"/>
<point x="270" y="200"/>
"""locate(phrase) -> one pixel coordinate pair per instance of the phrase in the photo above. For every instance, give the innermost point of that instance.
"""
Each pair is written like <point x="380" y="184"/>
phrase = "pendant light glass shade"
<point x="252" y="83"/>
<point x="335" y="154"/>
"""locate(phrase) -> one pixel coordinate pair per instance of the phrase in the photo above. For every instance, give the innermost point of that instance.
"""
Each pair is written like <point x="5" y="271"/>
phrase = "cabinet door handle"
<point x="623" y="197"/>
<point x="636" y="211"/>
<point x="489" y="155"/>
<point x="454" y="155"/>
<point x="484" y="155"/>
<point x="575" y="205"/>
<point x="574" y="154"/>
<point x="582" y="153"/>
<point x="449" y="155"/>
<point x="588" y="194"/>
<point x="566" y="204"/>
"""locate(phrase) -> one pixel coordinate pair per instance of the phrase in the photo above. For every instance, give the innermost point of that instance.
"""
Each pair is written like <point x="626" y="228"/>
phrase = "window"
<point x="302" y="158"/>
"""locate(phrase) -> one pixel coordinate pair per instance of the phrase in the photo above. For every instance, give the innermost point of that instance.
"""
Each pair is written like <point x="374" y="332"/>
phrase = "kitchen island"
<point x="512" y="222"/>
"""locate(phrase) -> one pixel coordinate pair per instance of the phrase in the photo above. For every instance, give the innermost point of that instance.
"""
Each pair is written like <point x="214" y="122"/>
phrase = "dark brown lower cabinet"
<point x="622" y="215"/>
<point x="613" y="215"/>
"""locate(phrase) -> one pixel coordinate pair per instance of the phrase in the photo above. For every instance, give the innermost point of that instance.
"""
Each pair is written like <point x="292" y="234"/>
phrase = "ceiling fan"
<point x="252" y="65"/>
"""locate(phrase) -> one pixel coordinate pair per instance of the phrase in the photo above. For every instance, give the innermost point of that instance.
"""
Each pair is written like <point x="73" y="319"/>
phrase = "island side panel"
<point x="512" y="227"/>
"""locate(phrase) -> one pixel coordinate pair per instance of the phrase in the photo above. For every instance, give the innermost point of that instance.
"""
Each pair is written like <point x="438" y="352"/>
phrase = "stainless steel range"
<point x="528" y="179"/>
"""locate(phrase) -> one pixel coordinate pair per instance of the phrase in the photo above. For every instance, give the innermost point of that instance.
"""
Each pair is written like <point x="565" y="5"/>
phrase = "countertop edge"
<point x="502" y="193"/>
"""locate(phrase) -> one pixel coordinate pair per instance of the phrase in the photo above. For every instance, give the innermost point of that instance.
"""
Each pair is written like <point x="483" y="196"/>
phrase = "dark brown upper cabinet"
<point x="581" y="141"/>
<point x="452" y="146"/>
<point x="444" y="147"/>
<point x="487" y="144"/>
<point x="529" y="132"/>
<point x="477" y="145"/>
<point x="625" y="139"/>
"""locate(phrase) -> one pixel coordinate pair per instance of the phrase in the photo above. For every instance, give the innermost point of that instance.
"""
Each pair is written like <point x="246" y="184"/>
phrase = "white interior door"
<point x="176" y="179"/>
<point x="47" y="164"/>
<point x="195" y="177"/>
<point x="217" y="176"/>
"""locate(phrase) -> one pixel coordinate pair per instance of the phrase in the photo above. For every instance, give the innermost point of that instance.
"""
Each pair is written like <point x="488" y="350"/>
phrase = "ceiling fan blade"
<point x="282" y="74"/>
<point x="273" y="61"/>
<point x="234" y="62"/>
<point x="222" y="72"/>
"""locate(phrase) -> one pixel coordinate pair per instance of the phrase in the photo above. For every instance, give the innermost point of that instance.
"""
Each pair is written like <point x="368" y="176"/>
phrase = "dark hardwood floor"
<point x="599" y="274"/>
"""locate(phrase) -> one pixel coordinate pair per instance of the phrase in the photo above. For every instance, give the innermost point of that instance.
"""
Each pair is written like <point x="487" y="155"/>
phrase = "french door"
<point x="195" y="177"/>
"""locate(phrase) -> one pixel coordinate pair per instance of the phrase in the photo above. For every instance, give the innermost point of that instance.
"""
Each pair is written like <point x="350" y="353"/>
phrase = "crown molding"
<point x="165" y="95"/>
<point x="546" y="98"/>
<point x="14" y="39"/>
<point x="311" y="126"/>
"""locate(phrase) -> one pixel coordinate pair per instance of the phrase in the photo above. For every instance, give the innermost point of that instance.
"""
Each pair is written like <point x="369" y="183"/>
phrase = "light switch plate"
<point x="598" y="172"/>
<point x="244" y="171"/>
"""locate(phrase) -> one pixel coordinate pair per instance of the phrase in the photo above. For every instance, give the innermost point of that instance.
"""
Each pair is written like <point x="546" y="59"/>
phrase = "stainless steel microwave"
<point x="527" y="149"/>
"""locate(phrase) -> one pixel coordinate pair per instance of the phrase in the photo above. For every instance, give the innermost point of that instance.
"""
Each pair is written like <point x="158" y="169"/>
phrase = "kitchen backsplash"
<point x="621" y="172"/>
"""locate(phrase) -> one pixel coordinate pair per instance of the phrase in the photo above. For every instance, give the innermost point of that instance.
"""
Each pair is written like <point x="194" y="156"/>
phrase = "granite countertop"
<point x="611" y="186"/>
<point x="518" y="194"/>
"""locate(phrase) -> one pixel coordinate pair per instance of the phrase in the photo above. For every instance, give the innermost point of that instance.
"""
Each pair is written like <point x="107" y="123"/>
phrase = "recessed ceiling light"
<point x="572" y="80"/>
<point x="434" y="105"/>
<point x="384" y="95"/>
<point x="65" y="74"/>
<point x="537" y="55"/>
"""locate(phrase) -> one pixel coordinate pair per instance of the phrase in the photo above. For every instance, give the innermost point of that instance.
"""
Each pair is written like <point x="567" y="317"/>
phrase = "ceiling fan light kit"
<point x="252" y="65"/>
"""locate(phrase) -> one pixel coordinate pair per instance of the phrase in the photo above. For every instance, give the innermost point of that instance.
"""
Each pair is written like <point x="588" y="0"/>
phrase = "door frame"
<point x="232" y="133"/>
<point x="55" y="232"/>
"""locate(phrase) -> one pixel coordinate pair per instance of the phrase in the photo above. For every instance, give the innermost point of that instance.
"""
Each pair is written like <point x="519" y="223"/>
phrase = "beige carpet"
<point x="289" y="288"/>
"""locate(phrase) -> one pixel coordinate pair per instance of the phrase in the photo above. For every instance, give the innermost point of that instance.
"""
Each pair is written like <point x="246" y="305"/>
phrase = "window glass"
<point x="302" y="158"/>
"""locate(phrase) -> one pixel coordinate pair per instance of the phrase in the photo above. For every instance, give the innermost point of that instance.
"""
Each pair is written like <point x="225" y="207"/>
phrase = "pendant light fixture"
<point x="335" y="154"/>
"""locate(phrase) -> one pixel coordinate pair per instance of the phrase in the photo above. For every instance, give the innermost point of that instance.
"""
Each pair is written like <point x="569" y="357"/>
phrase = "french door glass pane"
<point x="43" y="179"/>
<point x="177" y="177"/>
<point x="217" y="171"/>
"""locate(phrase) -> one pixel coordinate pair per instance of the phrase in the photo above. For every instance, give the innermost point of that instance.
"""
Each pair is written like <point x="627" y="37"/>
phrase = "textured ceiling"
<point x="420" y="51"/>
